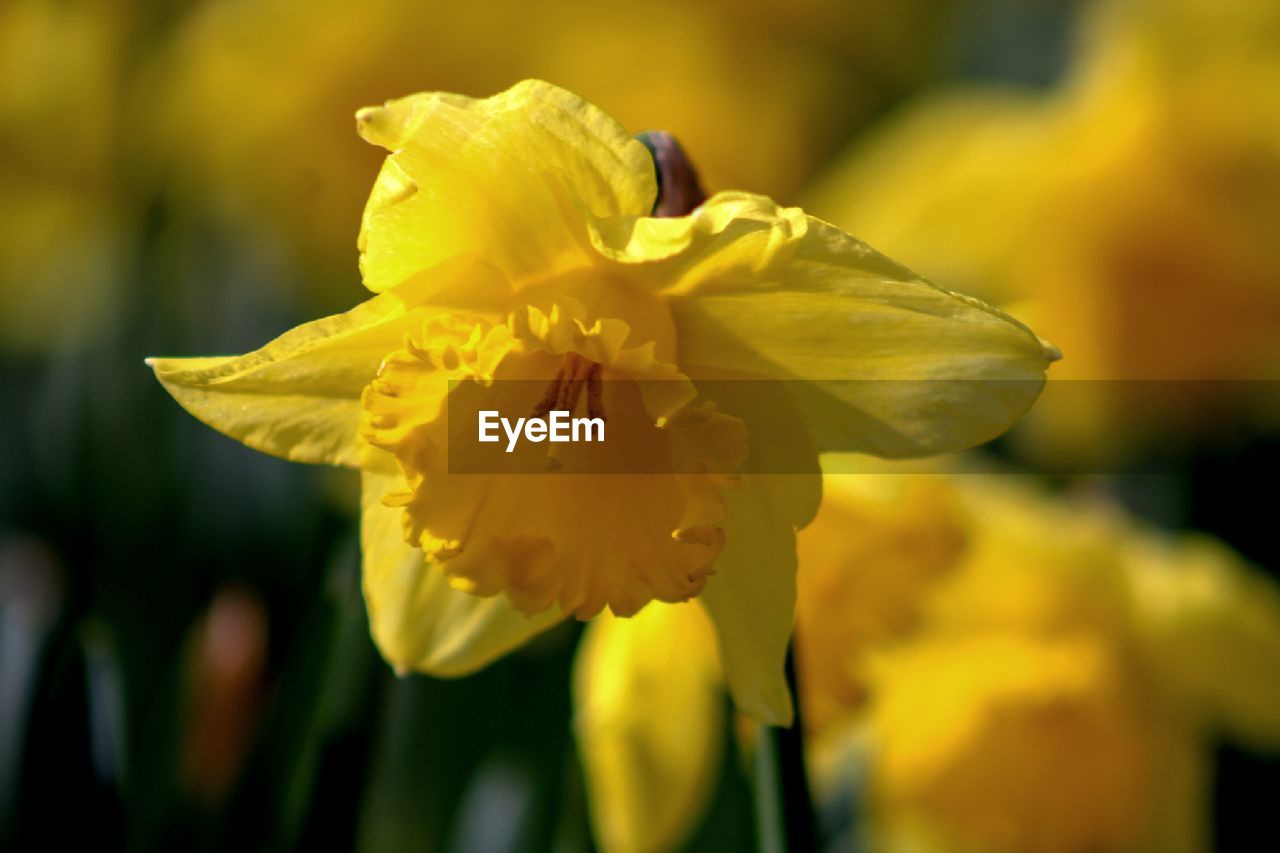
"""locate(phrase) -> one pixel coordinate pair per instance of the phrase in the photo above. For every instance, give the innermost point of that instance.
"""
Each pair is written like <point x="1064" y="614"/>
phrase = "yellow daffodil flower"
<point x="1005" y="671"/>
<point x="1129" y="213"/>
<point x="509" y="239"/>
<point x="1065" y="682"/>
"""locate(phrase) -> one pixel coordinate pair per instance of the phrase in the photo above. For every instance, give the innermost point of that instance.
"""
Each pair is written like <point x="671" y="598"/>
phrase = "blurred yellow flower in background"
<point x="875" y="546"/>
<point x="1001" y="670"/>
<point x="509" y="239"/>
<point x="1129" y="213"/>
<point x="1008" y="742"/>
<point x="650" y="720"/>
<point x="648" y="691"/>
<point x="62" y="70"/>
<point x="247" y="105"/>
<point x="1066" y="682"/>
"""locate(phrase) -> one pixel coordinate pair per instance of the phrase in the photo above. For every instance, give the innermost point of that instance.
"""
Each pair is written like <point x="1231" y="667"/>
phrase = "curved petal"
<point x="880" y="360"/>
<point x="650" y="724"/>
<point x="418" y="621"/>
<point x="465" y="175"/>
<point x="298" y="397"/>
<point x="752" y="596"/>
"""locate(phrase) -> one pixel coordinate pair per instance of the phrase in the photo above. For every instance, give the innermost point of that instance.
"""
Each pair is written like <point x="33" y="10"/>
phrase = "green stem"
<point x="784" y="809"/>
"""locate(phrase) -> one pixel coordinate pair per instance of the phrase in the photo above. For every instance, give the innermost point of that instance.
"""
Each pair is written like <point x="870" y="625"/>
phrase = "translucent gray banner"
<point x="748" y="426"/>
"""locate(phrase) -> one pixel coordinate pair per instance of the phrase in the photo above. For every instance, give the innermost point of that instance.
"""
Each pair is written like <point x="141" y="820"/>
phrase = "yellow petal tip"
<point x="376" y="126"/>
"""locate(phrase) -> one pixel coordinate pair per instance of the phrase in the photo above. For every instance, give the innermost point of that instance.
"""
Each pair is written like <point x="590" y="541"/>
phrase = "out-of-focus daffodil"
<point x="1129" y="214"/>
<point x="508" y="238"/>
<point x="875" y="546"/>
<point x="247" y="104"/>
<point x="1065" y="682"/>
<point x="649" y="690"/>
<point x="1007" y="673"/>
<point x="650" y="720"/>
<point x="61" y="70"/>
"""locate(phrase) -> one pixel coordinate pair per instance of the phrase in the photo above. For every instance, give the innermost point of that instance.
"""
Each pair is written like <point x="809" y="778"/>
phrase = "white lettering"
<point x="513" y="435"/>
<point x="587" y="425"/>
<point x="559" y="428"/>
<point x="487" y="423"/>
<point x="559" y="425"/>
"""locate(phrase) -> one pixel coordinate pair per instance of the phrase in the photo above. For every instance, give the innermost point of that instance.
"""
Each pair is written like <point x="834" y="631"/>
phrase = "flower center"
<point x="569" y="538"/>
<point x="562" y="394"/>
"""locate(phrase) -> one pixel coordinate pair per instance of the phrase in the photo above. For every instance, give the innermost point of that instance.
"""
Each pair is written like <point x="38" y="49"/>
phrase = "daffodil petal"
<point x="1212" y="626"/>
<point x="880" y="360"/>
<point x="752" y="596"/>
<point x="515" y="177"/>
<point x="418" y="621"/>
<point x="298" y="397"/>
<point x="650" y="724"/>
